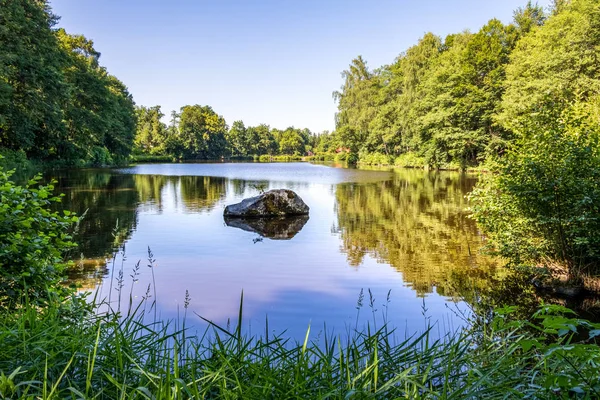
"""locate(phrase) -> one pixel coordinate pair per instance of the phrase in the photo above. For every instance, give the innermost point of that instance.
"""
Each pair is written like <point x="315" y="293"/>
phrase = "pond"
<point x="394" y="245"/>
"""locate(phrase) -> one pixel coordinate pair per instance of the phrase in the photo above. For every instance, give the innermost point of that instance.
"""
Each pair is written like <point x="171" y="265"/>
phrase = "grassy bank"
<point x="413" y="160"/>
<point x="69" y="350"/>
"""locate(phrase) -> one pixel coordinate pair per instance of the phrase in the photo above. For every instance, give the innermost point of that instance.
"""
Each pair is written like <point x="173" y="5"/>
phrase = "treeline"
<point x="460" y="101"/>
<point x="57" y="103"/>
<point x="198" y="132"/>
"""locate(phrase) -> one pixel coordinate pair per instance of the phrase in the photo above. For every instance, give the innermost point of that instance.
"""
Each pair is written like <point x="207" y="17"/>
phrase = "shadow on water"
<point x="271" y="228"/>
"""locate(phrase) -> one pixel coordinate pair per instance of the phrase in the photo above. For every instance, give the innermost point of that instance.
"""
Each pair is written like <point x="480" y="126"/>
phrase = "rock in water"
<point x="274" y="203"/>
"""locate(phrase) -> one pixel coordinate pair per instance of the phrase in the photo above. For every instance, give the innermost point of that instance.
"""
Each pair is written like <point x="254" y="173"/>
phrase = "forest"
<point x="457" y="102"/>
<point x="463" y="100"/>
<point x="59" y="106"/>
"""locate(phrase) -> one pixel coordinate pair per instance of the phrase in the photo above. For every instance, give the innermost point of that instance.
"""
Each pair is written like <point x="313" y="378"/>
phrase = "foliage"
<point x="410" y="160"/>
<point x="56" y="102"/>
<point x="33" y="240"/>
<point x="554" y="66"/>
<point x="543" y="200"/>
<point x="32" y="89"/>
<point x="374" y="159"/>
<point x="151" y="132"/>
<point x="201" y="133"/>
<point x="439" y="100"/>
<point x="541" y="206"/>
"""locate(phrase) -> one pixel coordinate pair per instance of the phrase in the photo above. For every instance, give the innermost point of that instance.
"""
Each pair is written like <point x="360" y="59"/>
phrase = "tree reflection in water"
<point x="418" y="223"/>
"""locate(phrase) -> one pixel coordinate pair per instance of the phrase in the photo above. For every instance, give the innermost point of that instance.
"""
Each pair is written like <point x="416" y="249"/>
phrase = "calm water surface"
<point x="404" y="235"/>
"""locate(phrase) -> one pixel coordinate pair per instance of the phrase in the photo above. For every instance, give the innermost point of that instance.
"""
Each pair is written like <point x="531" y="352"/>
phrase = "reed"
<point x="71" y="350"/>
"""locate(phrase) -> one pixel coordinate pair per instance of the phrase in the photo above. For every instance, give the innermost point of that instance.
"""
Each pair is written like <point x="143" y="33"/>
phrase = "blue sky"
<point x="274" y="62"/>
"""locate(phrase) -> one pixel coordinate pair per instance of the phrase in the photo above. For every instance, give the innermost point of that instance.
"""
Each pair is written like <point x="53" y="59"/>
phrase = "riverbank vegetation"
<point x="56" y="344"/>
<point x="68" y="350"/>
<point x="522" y="98"/>
<point x="199" y="133"/>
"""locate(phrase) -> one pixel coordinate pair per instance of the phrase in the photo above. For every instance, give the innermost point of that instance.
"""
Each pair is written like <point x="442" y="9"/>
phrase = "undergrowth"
<point x="72" y="350"/>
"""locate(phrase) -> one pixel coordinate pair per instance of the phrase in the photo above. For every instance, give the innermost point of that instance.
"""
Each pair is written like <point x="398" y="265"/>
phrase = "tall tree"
<point x="236" y="139"/>
<point x="32" y="88"/>
<point x="99" y="112"/>
<point x="357" y="102"/>
<point x="202" y="132"/>
<point x="151" y="132"/>
<point x="554" y="66"/>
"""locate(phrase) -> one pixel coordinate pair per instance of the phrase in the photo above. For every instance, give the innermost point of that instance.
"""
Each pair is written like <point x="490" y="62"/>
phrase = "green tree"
<point x="236" y="139"/>
<point x="357" y="102"/>
<point x="151" y="133"/>
<point x="554" y="66"/>
<point x="32" y="88"/>
<point x="528" y="17"/>
<point x="202" y="132"/>
<point x="267" y="144"/>
<point x="292" y="142"/>
<point x="462" y="94"/>
<point x="543" y="203"/>
<point x="395" y="122"/>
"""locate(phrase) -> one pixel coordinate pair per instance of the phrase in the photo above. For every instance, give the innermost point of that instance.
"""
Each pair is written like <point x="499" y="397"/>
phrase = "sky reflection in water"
<point x="404" y="231"/>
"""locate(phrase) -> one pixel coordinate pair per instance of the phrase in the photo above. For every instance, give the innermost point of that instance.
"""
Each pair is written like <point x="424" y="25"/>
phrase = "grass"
<point x="150" y="158"/>
<point x="72" y="350"/>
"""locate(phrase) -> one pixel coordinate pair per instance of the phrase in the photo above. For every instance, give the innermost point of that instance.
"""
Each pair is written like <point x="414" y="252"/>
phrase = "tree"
<point x="99" y="112"/>
<point x="462" y="94"/>
<point x="151" y="132"/>
<point x="236" y="139"/>
<point x="202" y="132"/>
<point x="554" y="66"/>
<point x="543" y="202"/>
<point x="357" y="101"/>
<point x="56" y="101"/>
<point x="528" y="17"/>
<point x="292" y="142"/>
<point x="32" y="88"/>
<point x="266" y="141"/>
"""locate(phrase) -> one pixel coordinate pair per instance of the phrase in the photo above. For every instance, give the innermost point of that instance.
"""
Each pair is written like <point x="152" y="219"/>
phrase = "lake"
<point x="400" y="237"/>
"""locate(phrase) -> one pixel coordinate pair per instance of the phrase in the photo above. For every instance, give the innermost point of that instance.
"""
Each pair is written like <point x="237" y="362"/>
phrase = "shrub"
<point x="411" y="159"/>
<point x="33" y="240"/>
<point x="374" y="159"/>
<point x="543" y="201"/>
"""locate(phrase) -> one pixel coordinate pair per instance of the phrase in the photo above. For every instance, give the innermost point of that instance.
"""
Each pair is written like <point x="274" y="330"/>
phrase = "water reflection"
<point x="272" y="228"/>
<point x="193" y="193"/>
<point x="405" y="230"/>
<point x="108" y="204"/>
<point x="417" y="223"/>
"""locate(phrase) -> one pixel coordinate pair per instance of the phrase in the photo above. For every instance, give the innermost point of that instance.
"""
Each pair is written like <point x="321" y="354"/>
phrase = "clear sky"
<point x="270" y="61"/>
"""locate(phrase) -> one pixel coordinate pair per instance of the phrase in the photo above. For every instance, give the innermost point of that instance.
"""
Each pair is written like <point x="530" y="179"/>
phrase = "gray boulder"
<point x="274" y="203"/>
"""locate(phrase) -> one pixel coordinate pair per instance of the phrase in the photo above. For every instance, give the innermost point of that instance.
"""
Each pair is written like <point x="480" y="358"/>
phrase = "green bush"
<point x="100" y="156"/>
<point x="374" y="159"/>
<point x="350" y="158"/>
<point x="543" y="201"/>
<point x="412" y="160"/>
<point x="33" y="240"/>
<point x="149" y="158"/>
